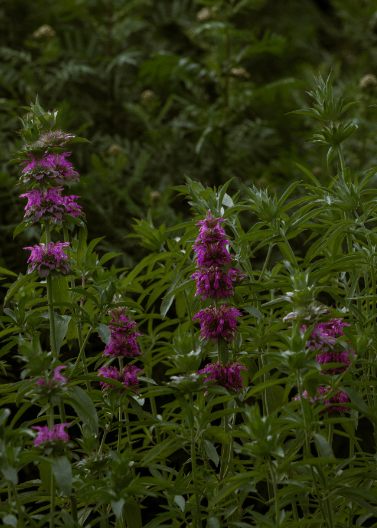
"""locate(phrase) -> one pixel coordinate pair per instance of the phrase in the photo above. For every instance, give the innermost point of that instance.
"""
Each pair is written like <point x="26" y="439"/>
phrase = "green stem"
<point x="17" y="501"/>
<point x="341" y="158"/>
<point x="225" y="447"/>
<point x="73" y="508"/>
<point x="62" y="412"/>
<point x="49" y="298"/>
<point x="276" y="496"/>
<point x="52" y="502"/>
<point x="270" y="246"/>
<point x="81" y="356"/>
<point x="197" y="519"/>
<point x="307" y="449"/>
<point x="120" y="409"/>
<point x="192" y="329"/>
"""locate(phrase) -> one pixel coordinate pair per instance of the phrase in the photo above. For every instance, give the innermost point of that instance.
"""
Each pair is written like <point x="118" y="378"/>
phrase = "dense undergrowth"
<point x="245" y="398"/>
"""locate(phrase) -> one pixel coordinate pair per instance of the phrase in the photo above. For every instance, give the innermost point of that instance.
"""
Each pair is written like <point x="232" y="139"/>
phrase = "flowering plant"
<point x="235" y="423"/>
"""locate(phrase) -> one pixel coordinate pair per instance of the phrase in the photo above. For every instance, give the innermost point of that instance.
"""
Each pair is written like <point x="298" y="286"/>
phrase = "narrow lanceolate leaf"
<point x="62" y="471"/>
<point x="84" y="407"/>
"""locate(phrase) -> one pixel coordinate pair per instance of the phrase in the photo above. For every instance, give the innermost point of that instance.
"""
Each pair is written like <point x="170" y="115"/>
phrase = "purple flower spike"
<point x="49" y="170"/>
<point x="216" y="283"/>
<point x="47" y="259"/>
<point x="123" y="336"/>
<point x="323" y="338"/>
<point x="211" y="243"/>
<point x="46" y="436"/>
<point x="108" y="372"/>
<point x="56" y="380"/>
<point x="221" y="322"/>
<point x="50" y="204"/>
<point x="331" y="403"/>
<point x="228" y="376"/>
<point x="128" y="377"/>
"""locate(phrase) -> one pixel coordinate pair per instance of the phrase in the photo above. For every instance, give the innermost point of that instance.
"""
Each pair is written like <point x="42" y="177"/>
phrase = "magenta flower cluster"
<point x="57" y="379"/>
<point x="333" y="404"/>
<point x="228" y="376"/>
<point x="48" y="436"/>
<point x="50" y="204"/>
<point x="123" y="336"/>
<point x="215" y="280"/>
<point x="221" y="322"/>
<point x="128" y="376"/>
<point x="44" y="259"/>
<point x="323" y="338"/>
<point x="122" y="343"/>
<point x="50" y="169"/>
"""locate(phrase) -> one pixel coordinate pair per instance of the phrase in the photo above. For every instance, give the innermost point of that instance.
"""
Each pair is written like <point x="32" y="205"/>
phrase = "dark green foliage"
<point x="172" y="87"/>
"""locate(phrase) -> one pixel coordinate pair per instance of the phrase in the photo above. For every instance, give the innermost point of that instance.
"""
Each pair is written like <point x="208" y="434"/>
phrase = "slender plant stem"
<point x="307" y="447"/>
<point x="197" y="519"/>
<point x="276" y="496"/>
<point x="50" y="299"/>
<point x="192" y="329"/>
<point x="17" y="501"/>
<point x="73" y="507"/>
<point x="62" y="411"/>
<point x="52" y="502"/>
<point x="120" y="409"/>
<point x="225" y="448"/>
<point x="81" y="357"/>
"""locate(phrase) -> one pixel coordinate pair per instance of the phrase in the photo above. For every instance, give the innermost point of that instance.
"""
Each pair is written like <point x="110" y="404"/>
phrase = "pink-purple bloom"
<point x="50" y="204"/>
<point x="323" y="338"/>
<point x="128" y="377"/>
<point x="56" y="380"/>
<point x="50" y="169"/>
<point x="123" y="336"/>
<point x="211" y="243"/>
<point x="221" y="322"/>
<point x="228" y="376"/>
<point x="333" y="404"/>
<point x="47" y="259"/>
<point x="46" y="435"/>
<point x="215" y="282"/>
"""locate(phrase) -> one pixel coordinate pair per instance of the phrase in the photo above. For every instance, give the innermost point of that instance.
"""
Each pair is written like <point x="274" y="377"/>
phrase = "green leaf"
<point x="61" y="328"/>
<point x="253" y="311"/>
<point x="132" y="513"/>
<point x="84" y="407"/>
<point x="10" y="474"/>
<point x="60" y="291"/>
<point x="178" y="499"/>
<point x="117" y="507"/>
<point x="81" y="246"/>
<point x="19" y="284"/>
<point x="104" y="333"/>
<point x="166" y="304"/>
<point x="211" y="452"/>
<point x="355" y="398"/>
<point x="136" y="407"/>
<point x="324" y="448"/>
<point x="45" y="474"/>
<point x="213" y="522"/>
<point x="4" y="271"/>
<point x="21" y="227"/>
<point x="62" y="471"/>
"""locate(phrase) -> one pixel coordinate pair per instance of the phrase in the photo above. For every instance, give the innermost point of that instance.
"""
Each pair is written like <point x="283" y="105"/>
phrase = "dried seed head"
<point x="203" y="15"/>
<point x="44" y="31"/>
<point x="148" y="95"/>
<point x="115" y="149"/>
<point x="240" y="72"/>
<point x="368" y="81"/>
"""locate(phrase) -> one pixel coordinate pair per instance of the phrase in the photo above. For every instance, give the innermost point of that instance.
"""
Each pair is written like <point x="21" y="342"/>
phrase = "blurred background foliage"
<point x="164" y="88"/>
